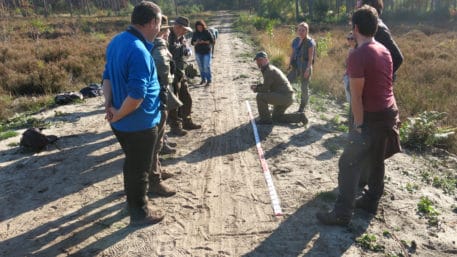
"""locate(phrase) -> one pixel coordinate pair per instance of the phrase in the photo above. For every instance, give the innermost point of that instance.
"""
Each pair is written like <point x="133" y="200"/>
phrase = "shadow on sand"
<point x="306" y="237"/>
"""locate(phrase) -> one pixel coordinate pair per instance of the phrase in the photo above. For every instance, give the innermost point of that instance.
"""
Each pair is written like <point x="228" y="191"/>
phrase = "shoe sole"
<point x="146" y="222"/>
<point x="155" y="194"/>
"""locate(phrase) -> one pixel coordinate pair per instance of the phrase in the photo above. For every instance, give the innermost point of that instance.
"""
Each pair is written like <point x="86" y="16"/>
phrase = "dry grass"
<point x="41" y="57"/>
<point x="426" y="81"/>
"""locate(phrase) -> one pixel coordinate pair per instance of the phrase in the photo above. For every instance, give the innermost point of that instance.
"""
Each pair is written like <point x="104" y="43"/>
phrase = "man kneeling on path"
<point x="277" y="91"/>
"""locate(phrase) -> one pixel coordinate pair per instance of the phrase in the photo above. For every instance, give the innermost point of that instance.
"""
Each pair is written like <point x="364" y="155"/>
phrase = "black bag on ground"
<point x="67" y="97"/>
<point x="34" y="140"/>
<point x="93" y="90"/>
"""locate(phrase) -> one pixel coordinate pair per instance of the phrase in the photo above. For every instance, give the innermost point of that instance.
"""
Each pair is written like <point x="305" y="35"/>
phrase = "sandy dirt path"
<point x="69" y="200"/>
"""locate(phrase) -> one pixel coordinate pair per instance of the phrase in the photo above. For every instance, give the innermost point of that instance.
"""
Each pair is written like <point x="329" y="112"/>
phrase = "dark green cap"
<point x="260" y="54"/>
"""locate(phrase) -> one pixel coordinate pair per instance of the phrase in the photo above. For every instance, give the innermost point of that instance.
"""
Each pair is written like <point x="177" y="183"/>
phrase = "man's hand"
<point x="307" y="73"/>
<point x="108" y="114"/>
<point x="112" y="115"/>
<point x="254" y="88"/>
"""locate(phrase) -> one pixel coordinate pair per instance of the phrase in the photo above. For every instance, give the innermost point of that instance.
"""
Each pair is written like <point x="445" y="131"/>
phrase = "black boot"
<point x="166" y="141"/>
<point x="177" y="131"/>
<point x="331" y="218"/>
<point x="188" y="124"/>
<point x="151" y="217"/>
<point x="160" y="189"/>
<point x="367" y="204"/>
<point x="166" y="149"/>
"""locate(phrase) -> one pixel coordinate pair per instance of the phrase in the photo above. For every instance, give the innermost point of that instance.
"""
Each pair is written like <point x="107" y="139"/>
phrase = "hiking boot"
<point x="259" y="121"/>
<point x="367" y="204"/>
<point x="151" y="218"/>
<point x="160" y="189"/>
<point x="208" y="84"/>
<point x="188" y="124"/>
<point x="303" y="118"/>
<point x="166" y="175"/>
<point x="166" y="149"/>
<point x="177" y="131"/>
<point x="170" y="144"/>
<point x="330" y="218"/>
<point x="202" y="82"/>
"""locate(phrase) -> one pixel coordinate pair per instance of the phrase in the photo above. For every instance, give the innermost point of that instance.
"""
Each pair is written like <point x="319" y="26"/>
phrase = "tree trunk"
<point x="310" y="8"/>
<point x="297" y="13"/>
<point x="70" y="5"/>
<point x="45" y="8"/>
<point x="176" y="7"/>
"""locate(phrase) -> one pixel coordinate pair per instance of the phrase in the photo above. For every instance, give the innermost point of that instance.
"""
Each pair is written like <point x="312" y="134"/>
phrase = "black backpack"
<point x="67" y="98"/>
<point x="93" y="90"/>
<point x="36" y="141"/>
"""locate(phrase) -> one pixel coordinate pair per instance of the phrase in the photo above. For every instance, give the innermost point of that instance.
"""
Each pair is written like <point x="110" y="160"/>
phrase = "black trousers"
<point x="139" y="149"/>
<point x="364" y="153"/>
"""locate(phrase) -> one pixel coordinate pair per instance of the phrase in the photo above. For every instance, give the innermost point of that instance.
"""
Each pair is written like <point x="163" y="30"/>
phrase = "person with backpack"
<point x="203" y="41"/>
<point x="180" y="118"/>
<point x="301" y="62"/>
<point x="215" y="32"/>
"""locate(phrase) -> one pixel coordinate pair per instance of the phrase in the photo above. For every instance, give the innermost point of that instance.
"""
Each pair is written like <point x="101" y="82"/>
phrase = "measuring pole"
<point x="275" y="202"/>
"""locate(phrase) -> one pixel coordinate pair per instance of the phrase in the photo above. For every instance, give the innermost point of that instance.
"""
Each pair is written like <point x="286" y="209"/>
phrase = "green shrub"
<point x="368" y="242"/>
<point x="423" y="131"/>
<point x="7" y="134"/>
<point x="425" y="208"/>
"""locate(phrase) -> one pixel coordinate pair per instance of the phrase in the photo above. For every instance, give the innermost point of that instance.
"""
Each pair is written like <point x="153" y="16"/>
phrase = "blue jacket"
<point x="132" y="72"/>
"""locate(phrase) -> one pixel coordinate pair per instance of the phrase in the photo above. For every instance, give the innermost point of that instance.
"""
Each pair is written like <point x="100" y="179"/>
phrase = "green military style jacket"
<point x="162" y="59"/>
<point x="274" y="80"/>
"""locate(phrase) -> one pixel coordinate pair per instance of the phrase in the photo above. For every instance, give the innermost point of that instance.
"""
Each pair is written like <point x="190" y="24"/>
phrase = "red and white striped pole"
<point x="275" y="202"/>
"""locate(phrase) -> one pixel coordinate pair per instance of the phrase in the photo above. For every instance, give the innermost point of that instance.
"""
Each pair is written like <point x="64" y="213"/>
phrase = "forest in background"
<point x="283" y="10"/>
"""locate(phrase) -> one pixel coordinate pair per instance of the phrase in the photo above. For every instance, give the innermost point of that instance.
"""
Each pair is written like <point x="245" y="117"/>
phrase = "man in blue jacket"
<point x="132" y="103"/>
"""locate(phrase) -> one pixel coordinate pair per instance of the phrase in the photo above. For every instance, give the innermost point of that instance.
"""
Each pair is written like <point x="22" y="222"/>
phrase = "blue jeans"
<point x="204" y="65"/>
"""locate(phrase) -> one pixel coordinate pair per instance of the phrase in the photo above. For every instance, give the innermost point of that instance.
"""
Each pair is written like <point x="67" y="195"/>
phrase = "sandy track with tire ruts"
<point x="69" y="201"/>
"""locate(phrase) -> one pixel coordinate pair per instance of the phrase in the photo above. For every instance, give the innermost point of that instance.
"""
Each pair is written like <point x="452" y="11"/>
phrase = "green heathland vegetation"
<point x="425" y="86"/>
<point x="40" y="57"/>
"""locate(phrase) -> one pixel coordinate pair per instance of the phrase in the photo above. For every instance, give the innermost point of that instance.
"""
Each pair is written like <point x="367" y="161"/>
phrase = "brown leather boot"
<point x="331" y="218"/>
<point x="166" y="149"/>
<point x="160" y="189"/>
<point x="165" y="175"/>
<point x="188" y="124"/>
<point x="177" y="131"/>
<point x="151" y="217"/>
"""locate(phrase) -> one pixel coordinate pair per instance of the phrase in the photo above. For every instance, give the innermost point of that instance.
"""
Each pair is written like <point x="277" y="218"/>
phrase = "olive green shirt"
<point x="274" y="80"/>
<point x="162" y="58"/>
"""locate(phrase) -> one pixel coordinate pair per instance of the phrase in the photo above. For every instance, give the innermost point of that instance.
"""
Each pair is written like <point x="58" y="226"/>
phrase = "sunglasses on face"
<point x="350" y="38"/>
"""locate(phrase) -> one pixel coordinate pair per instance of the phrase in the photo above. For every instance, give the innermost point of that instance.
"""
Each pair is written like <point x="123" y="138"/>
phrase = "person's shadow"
<point x="233" y="141"/>
<point x="32" y="182"/>
<point x="300" y="234"/>
<point x="309" y="136"/>
<point x="76" y="227"/>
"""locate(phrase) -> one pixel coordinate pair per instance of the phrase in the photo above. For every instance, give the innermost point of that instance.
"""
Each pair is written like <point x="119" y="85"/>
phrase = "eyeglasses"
<point x="350" y="38"/>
